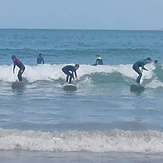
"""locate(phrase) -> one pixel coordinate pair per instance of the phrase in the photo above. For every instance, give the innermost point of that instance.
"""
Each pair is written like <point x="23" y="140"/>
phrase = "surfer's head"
<point x="40" y="55"/>
<point x="97" y="55"/>
<point x="76" y="66"/>
<point x="13" y="57"/>
<point x="148" y="60"/>
<point x="156" y="61"/>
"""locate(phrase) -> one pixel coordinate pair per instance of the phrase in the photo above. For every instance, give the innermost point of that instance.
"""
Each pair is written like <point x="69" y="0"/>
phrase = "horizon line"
<point x="93" y="29"/>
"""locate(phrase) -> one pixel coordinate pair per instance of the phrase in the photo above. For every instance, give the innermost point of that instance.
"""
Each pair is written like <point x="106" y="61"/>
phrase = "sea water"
<point x="102" y="121"/>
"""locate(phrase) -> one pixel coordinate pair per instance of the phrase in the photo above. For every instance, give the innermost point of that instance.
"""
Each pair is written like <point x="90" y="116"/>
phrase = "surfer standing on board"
<point x="70" y="71"/>
<point x="19" y="64"/>
<point x="141" y="64"/>
<point x="98" y="60"/>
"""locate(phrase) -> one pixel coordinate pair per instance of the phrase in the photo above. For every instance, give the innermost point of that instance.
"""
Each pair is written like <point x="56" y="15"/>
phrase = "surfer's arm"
<point x="14" y="67"/>
<point x="143" y="68"/>
<point x="75" y="74"/>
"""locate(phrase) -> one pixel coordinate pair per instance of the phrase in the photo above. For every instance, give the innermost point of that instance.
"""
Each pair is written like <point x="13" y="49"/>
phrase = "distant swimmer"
<point x="40" y="59"/>
<point x="141" y="64"/>
<point x="19" y="64"/>
<point x="98" y="60"/>
<point x="70" y="71"/>
<point x="156" y="61"/>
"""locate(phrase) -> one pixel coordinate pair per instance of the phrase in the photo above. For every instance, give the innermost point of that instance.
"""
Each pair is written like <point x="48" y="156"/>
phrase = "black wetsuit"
<point x="69" y="71"/>
<point x="18" y="63"/>
<point x="136" y="66"/>
<point x="39" y="60"/>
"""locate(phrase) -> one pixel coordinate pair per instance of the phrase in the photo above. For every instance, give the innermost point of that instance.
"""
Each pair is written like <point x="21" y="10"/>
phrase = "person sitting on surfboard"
<point x="40" y="59"/>
<point x="98" y="60"/>
<point x="70" y="71"/>
<point x="141" y="64"/>
<point x="19" y="64"/>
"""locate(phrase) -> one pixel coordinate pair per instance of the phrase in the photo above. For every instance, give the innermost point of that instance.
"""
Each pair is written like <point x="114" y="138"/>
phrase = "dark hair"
<point x="13" y="57"/>
<point x="149" y="59"/>
<point x="156" y="61"/>
<point x="77" y="65"/>
<point x="40" y="54"/>
<point x="97" y="55"/>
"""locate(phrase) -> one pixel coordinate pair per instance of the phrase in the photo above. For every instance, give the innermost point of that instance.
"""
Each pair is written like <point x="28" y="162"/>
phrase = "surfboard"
<point x="136" y="88"/>
<point x="17" y="85"/>
<point x="69" y="87"/>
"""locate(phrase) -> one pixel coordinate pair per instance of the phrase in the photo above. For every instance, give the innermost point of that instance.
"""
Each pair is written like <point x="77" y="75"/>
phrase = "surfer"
<point x="70" y="71"/>
<point x="141" y="64"/>
<point x="40" y="59"/>
<point x="156" y="62"/>
<point x="98" y="60"/>
<point x="19" y="64"/>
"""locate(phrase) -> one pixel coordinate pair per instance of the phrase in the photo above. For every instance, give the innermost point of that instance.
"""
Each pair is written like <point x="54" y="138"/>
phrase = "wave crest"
<point x="97" y="74"/>
<point x="108" y="141"/>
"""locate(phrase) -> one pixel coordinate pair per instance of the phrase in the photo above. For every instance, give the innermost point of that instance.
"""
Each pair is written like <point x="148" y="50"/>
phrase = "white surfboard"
<point x="17" y="85"/>
<point x="69" y="87"/>
<point x="136" y="88"/>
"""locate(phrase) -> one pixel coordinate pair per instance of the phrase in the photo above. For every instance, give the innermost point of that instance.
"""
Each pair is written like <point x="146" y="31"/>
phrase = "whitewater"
<point x="102" y="121"/>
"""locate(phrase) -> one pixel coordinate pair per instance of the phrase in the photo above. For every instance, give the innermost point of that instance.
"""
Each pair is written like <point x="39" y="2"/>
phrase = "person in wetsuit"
<point x="141" y="64"/>
<point x="19" y="64"/>
<point x="98" y="60"/>
<point x="40" y="59"/>
<point x="70" y="71"/>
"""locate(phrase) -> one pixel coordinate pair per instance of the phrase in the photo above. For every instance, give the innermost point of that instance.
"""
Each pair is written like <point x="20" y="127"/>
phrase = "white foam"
<point x="155" y="83"/>
<point x="109" y="141"/>
<point x="54" y="72"/>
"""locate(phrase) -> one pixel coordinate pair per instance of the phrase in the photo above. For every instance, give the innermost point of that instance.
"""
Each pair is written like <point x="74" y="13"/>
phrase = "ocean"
<point x="99" y="123"/>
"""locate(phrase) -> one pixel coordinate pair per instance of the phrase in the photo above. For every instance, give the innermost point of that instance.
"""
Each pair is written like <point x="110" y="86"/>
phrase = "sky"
<point x="82" y="14"/>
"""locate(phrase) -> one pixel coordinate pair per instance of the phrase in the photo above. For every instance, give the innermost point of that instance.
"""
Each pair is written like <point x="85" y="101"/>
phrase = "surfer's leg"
<point x="71" y="76"/>
<point x="67" y="79"/>
<point x="67" y="73"/>
<point x="19" y="75"/>
<point x="138" y="79"/>
<point x="139" y="73"/>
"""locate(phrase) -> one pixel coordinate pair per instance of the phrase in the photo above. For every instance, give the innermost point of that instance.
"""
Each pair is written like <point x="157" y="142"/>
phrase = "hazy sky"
<point x="82" y="14"/>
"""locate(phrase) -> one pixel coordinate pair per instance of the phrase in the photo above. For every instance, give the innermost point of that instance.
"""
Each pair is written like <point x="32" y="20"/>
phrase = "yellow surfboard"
<point x="69" y="87"/>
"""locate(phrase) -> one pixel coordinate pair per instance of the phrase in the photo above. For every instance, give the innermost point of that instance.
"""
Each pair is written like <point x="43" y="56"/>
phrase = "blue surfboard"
<point x="136" y="88"/>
